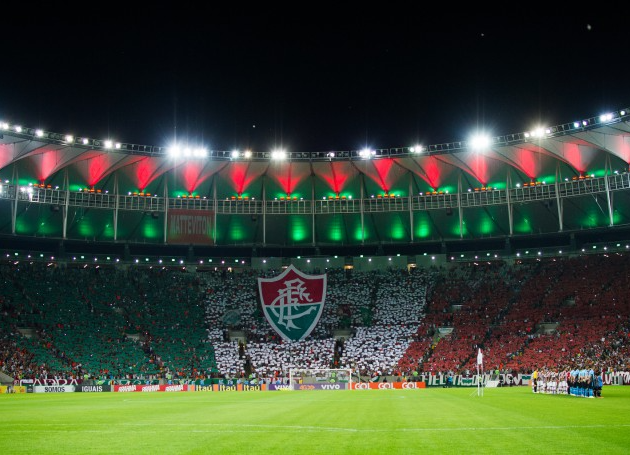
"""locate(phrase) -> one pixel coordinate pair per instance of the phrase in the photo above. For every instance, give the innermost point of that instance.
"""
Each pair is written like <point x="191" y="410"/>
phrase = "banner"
<point x="239" y="388"/>
<point x="12" y="389"/>
<point x="281" y="387"/>
<point x="51" y="381"/>
<point x="293" y="302"/>
<point x="152" y="388"/>
<point x="387" y="385"/>
<point x="190" y="227"/>
<point x="328" y="386"/>
<point x="53" y="388"/>
<point x="93" y="388"/>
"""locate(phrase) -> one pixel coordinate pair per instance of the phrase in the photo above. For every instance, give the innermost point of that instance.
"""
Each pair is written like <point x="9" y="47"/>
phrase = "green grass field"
<point x="505" y="420"/>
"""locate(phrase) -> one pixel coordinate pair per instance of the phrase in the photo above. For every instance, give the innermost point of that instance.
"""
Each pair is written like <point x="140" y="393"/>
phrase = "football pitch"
<point x="504" y="420"/>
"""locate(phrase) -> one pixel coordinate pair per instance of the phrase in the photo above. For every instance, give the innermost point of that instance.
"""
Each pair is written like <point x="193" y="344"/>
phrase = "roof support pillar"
<point x="313" y="209"/>
<point x="459" y="205"/>
<point x="264" y="211"/>
<point x="215" y="208"/>
<point x="508" y="188"/>
<point x="608" y="193"/>
<point x="362" y="211"/>
<point x="165" y="226"/>
<point x="116" y="208"/>
<point x="410" y="206"/>
<point x="558" y="200"/>
<point x="16" y="185"/>
<point x="66" y="184"/>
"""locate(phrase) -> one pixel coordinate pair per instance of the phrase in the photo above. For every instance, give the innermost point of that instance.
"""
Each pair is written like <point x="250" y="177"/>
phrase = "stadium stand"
<point x="160" y="323"/>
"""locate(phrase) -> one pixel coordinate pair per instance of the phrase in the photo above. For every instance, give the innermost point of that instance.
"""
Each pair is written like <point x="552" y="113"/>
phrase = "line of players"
<point x="578" y="382"/>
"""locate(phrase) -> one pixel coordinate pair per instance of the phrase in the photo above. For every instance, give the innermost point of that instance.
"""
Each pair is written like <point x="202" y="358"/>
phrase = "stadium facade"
<point x="561" y="186"/>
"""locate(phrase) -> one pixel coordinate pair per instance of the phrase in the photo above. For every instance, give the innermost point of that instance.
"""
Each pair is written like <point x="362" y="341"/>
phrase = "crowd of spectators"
<point x="152" y="323"/>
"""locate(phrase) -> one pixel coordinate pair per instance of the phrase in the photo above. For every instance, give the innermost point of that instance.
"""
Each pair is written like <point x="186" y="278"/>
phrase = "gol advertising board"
<point x="188" y="227"/>
<point x="387" y="385"/>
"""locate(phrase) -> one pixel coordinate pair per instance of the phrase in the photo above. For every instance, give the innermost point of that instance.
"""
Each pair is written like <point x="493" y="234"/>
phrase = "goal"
<point x="314" y="376"/>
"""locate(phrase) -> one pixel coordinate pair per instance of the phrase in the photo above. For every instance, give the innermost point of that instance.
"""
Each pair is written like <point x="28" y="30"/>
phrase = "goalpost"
<point x="312" y="376"/>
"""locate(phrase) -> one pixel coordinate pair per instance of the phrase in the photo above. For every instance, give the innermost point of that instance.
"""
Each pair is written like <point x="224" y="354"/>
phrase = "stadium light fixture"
<point x="108" y="144"/>
<point x="247" y="154"/>
<point x="278" y="154"/>
<point x="480" y="141"/>
<point x="174" y="151"/>
<point x="85" y="141"/>
<point x="69" y="138"/>
<point x="576" y="124"/>
<point x="118" y="145"/>
<point x="622" y="112"/>
<point x="416" y="149"/>
<point x="606" y="117"/>
<point x="18" y="128"/>
<point x="4" y="125"/>
<point x="366" y="153"/>
<point x="235" y="154"/>
<point x="39" y="133"/>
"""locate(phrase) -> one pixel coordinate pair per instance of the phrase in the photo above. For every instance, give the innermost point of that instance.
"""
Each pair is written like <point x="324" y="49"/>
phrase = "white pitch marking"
<point x="255" y="428"/>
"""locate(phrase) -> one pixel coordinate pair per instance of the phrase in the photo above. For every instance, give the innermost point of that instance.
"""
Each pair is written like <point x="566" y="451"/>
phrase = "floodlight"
<point x="108" y="144"/>
<point x="538" y="132"/>
<point x="85" y="141"/>
<point x="248" y="154"/>
<point x="605" y="117"/>
<point x="416" y="149"/>
<point x="39" y="133"/>
<point x="118" y="145"/>
<point x="235" y="153"/>
<point x="480" y="141"/>
<point x="576" y="124"/>
<point x="174" y="150"/>
<point x="278" y="154"/>
<point x="4" y="125"/>
<point x="18" y="129"/>
<point x="366" y="153"/>
<point x="69" y="138"/>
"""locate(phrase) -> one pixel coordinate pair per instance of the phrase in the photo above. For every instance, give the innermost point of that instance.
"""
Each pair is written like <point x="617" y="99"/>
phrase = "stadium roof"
<point x="550" y="179"/>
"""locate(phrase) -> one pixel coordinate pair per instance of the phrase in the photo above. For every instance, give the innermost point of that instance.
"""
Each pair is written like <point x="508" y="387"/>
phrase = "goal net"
<point x="313" y="376"/>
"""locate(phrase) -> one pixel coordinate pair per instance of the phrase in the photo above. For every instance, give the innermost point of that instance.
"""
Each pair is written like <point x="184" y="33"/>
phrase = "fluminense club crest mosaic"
<point x="293" y="302"/>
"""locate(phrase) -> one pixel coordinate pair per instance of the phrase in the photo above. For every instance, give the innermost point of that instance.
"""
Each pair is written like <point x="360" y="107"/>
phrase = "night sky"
<point x="315" y="83"/>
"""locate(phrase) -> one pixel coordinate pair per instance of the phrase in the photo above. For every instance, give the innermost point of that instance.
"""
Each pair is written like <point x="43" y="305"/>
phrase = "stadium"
<point x="135" y="268"/>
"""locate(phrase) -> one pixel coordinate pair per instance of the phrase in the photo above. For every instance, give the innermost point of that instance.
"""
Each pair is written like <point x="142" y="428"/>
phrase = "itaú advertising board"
<point x="387" y="385"/>
<point x="190" y="227"/>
